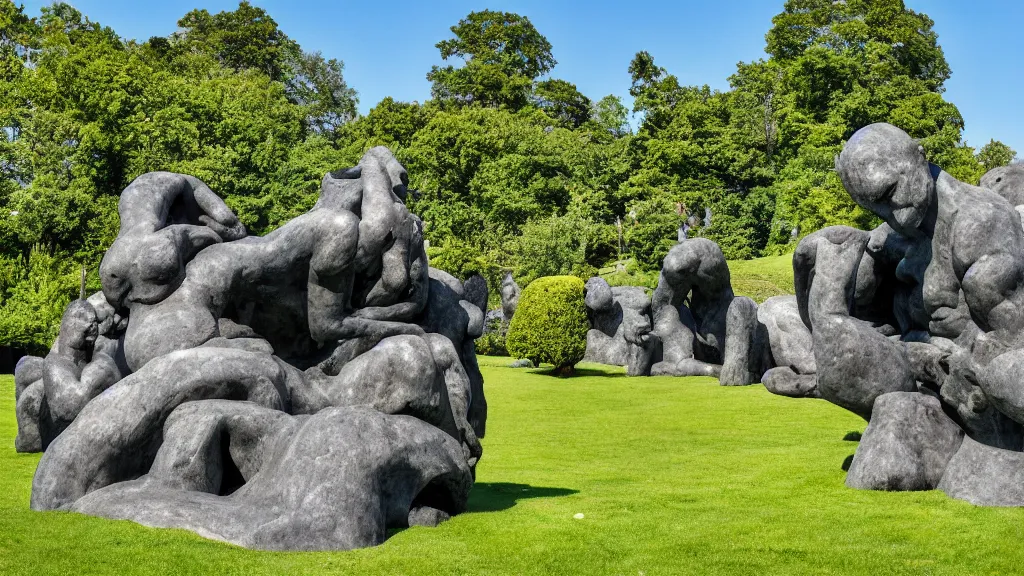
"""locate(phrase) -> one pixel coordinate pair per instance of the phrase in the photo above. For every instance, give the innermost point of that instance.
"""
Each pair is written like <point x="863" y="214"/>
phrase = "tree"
<point x="995" y="154"/>
<point x="563" y="102"/>
<point x="503" y="54"/>
<point x="243" y="39"/>
<point x="320" y="87"/>
<point x="610" y="114"/>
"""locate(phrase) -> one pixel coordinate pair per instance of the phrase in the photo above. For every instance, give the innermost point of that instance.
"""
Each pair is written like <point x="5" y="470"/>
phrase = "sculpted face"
<point x="145" y="269"/>
<point x="885" y="171"/>
<point x="79" y="327"/>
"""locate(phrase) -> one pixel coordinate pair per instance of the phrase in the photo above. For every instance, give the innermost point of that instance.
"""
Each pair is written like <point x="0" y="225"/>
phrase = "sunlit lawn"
<point x="672" y="476"/>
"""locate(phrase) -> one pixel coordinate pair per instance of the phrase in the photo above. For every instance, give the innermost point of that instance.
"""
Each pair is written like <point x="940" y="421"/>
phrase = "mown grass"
<point x="673" y="476"/>
<point x="762" y="278"/>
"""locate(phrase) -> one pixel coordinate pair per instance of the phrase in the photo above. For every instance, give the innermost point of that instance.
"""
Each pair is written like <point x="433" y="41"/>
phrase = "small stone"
<point x="578" y="516"/>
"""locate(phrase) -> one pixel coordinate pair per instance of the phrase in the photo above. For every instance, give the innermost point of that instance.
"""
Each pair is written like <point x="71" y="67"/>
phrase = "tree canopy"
<point x="512" y="168"/>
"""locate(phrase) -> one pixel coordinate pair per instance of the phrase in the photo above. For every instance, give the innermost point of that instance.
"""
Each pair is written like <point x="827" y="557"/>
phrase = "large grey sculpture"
<point x="693" y="307"/>
<point x="620" y="327"/>
<point x="305" y="390"/>
<point x="918" y="325"/>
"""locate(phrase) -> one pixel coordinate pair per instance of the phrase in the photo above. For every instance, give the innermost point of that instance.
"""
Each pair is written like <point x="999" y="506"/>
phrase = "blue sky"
<point x="388" y="45"/>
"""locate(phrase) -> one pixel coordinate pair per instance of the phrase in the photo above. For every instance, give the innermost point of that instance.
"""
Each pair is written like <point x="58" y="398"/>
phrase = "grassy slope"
<point x="672" y="475"/>
<point x="762" y="278"/>
<point x="759" y="279"/>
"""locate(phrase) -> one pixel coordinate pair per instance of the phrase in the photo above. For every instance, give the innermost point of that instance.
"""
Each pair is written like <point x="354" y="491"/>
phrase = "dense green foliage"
<point x="550" y="324"/>
<point x="673" y="476"/>
<point x="514" y="169"/>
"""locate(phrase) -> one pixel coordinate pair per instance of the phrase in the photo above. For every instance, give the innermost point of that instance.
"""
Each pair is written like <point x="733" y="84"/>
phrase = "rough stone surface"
<point x="856" y="364"/>
<point x="789" y="338"/>
<point x="333" y="481"/>
<point x="509" y="297"/>
<point x="984" y="475"/>
<point x="907" y="445"/>
<point x="747" y="350"/>
<point x="306" y="390"/>
<point x="692" y="336"/>
<point x="1007" y="181"/>
<point x="782" y="380"/>
<point x="620" y="326"/>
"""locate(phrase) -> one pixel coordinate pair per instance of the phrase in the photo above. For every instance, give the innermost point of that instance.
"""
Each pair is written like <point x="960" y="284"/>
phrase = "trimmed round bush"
<point x="550" y="324"/>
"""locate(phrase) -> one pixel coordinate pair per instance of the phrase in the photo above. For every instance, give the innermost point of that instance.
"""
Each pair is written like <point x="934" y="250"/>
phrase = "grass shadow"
<point x="498" y="496"/>
<point x="580" y="372"/>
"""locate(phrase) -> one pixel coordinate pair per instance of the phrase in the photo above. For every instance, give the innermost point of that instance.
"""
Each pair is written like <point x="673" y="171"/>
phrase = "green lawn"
<point x="762" y="278"/>
<point x="672" y="475"/>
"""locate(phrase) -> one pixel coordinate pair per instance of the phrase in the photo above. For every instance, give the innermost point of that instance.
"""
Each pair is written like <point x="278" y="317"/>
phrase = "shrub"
<point x="550" y="324"/>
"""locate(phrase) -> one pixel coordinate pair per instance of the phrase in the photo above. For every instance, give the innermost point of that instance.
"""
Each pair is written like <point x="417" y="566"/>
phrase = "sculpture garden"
<point x="777" y="328"/>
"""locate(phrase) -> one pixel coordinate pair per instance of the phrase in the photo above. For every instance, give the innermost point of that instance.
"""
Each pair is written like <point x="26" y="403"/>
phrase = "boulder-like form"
<point x="747" y="351"/>
<point x="907" y="445"/>
<point x="306" y="390"/>
<point x="1007" y="181"/>
<point x="262" y="479"/>
<point x="620" y="326"/>
<point x="789" y="338"/>
<point x="509" y="297"/>
<point x="984" y="475"/>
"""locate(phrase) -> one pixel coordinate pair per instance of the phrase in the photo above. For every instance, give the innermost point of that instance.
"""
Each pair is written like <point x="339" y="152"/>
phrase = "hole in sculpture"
<point x="231" y="476"/>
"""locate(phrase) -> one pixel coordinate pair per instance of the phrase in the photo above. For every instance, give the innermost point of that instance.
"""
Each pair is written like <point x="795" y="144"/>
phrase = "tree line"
<point x="511" y="167"/>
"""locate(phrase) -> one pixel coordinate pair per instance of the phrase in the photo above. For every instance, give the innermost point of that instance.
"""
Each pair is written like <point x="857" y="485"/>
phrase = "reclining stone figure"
<point x="620" y="327"/>
<point x="261" y="348"/>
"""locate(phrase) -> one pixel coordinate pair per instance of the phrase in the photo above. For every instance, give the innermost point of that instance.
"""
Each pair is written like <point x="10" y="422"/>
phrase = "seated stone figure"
<point x="942" y="385"/>
<point x="332" y="326"/>
<point x="74" y="372"/>
<point x="620" y="327"/>
<point x="691" y="309"/>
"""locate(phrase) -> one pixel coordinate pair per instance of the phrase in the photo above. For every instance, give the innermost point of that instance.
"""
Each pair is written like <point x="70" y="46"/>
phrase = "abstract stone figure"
<point x="918" y="325"/>
<point x="747" y="350"/>
<point x="509" y="297"/>
<point x="792" y="349"/>
<point x="689" y="309"/>
<point x="305" y="390"/>
<point x="336" y="480"/>
<point x="620" y="326"/>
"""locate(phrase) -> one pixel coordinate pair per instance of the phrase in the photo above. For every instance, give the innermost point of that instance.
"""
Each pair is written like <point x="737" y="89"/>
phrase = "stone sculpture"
<point x="620" y="326"/>
<point x="692" y="307"/>
<point x="792" y="350"/>
<point x="305" y="390"/>
<point x="509" y="298"/>
<point x="918" y="326"/>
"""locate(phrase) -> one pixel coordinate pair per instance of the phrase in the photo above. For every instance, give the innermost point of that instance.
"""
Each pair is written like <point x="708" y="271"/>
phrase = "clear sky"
<point x="388" y="45"/>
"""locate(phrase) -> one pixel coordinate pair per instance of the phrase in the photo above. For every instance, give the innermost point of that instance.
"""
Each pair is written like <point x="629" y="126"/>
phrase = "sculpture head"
<point x="598" y="295"/>
<point x="1007" y="181"/>
<point x="885" y="171"/>
<point x="142" y="269"/>
<point x="697" y="263"/>
<point x="79" y="328"/>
